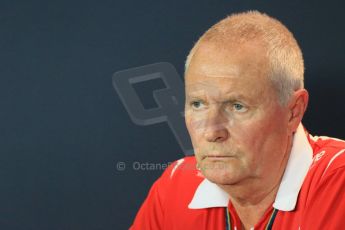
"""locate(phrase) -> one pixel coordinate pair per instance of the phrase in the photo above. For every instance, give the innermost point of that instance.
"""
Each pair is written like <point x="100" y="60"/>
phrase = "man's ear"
<point x="297" y="106"/>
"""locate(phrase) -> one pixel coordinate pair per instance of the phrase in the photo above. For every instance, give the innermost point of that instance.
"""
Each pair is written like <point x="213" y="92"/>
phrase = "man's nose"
<point x="215" y="128"/>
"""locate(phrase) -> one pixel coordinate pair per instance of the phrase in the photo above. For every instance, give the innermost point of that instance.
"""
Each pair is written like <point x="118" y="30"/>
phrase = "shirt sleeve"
<point x="326" y="209"/>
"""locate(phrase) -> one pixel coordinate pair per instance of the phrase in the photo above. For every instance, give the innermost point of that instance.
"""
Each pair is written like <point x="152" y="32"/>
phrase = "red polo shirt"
<point x="310" y="196"/>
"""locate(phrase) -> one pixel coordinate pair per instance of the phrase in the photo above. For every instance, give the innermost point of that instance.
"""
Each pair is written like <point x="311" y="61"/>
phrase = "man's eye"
<point x="239" y="107"/>
<point x="197" y="104"/>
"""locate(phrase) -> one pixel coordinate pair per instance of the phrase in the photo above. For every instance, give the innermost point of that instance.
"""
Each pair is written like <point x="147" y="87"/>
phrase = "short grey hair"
<point x="286" y="65"/>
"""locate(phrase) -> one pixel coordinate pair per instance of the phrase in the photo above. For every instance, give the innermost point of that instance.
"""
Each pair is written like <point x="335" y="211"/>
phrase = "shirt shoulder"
<point x="185" y="166"/>
<point x="325" y="181"/>
<point x="182" y="174"/>
<point x="328" y="154"/>
<point x="328" y="161"/>
<point x="166" y="205"/>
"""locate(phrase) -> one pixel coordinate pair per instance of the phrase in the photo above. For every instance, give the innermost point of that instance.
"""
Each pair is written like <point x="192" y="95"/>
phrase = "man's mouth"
<point x="217" y="157"/>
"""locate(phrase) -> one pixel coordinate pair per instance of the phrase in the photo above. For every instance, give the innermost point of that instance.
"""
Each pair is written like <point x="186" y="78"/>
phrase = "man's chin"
<point x="221" y="176"/>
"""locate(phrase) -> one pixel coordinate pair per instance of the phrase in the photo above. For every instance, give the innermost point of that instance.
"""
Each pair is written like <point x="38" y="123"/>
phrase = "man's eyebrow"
<point x="223" y="99"/>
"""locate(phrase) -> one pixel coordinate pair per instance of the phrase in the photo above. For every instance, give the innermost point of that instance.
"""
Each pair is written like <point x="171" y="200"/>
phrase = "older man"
<point x="255" y="166"/>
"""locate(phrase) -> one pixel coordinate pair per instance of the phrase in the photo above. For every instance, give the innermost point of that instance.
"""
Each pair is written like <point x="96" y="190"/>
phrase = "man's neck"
<point x="252" y="198"/>
<point x="250" y="209"/>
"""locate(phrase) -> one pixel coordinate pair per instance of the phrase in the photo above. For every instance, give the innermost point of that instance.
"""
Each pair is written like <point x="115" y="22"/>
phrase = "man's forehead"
<point x="223" y="60"/>
<point x="207" y="63"/>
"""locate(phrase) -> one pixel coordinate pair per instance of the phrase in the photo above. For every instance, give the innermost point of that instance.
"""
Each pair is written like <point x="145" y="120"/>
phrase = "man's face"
<point x="238" y="129"/>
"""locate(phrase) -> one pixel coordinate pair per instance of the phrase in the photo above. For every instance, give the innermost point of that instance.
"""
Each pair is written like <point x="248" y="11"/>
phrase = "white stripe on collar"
<point x="209" y="195"/>
<point x="297" y="168"/>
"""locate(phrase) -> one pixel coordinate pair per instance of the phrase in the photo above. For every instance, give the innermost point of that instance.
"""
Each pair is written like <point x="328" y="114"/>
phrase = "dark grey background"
<point x="63" y="127"/>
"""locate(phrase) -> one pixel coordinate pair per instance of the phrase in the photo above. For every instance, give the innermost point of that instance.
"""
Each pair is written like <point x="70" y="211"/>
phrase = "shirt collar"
<point x="209" y="195"/>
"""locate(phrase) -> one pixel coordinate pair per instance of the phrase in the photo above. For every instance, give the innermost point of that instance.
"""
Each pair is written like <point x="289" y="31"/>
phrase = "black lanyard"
<point x="268" y="227"/>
